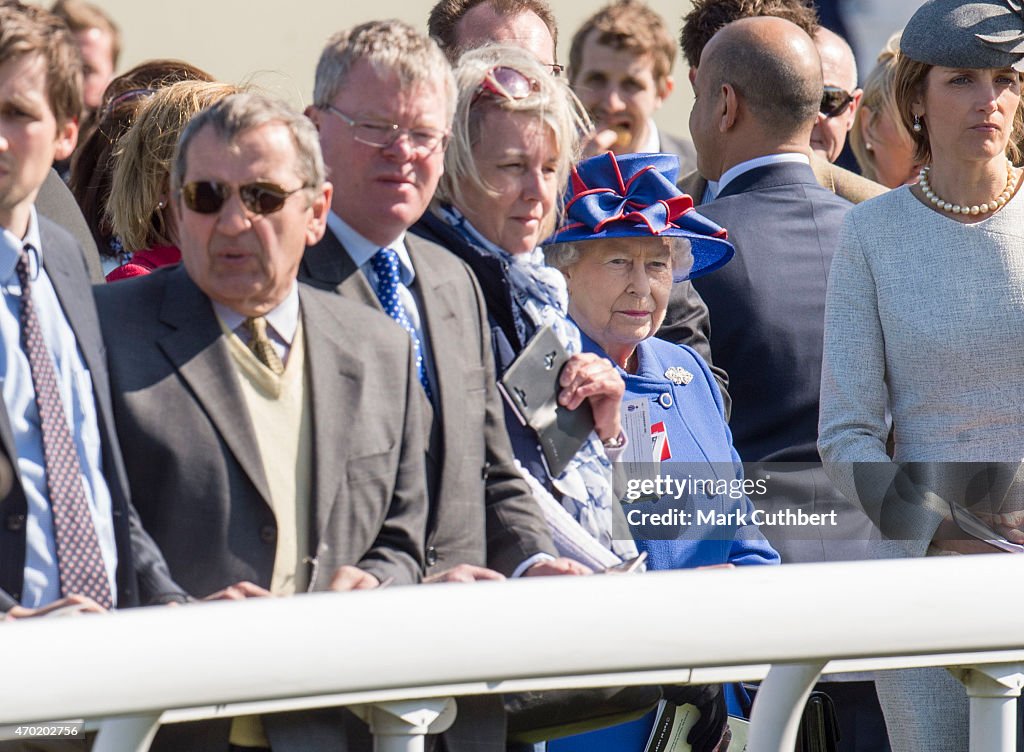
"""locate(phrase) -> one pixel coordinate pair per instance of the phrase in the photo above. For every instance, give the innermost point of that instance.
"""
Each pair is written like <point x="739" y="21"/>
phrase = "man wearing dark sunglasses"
<point x="269" y="440"/>
<point x="840" y="98"/>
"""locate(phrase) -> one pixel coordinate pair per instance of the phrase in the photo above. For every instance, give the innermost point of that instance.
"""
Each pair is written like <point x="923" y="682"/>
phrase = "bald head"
<point x="774" y="68"/>
<point x="838" y="65"/>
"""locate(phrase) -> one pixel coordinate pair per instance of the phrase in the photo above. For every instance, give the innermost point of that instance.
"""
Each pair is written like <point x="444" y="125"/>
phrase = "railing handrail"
<point x="153" y="659"/>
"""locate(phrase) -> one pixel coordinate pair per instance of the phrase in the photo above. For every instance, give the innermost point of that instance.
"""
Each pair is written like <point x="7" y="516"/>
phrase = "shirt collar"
<point x="362" y="250"/>
<point x="11" y="245"/>
<point x="751" y="164"/>
<point x="284" y="319"/>
<point x="653" y="142"/>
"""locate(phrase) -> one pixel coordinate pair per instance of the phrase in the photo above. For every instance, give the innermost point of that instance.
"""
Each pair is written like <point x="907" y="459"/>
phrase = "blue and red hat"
<point x="635" y="195"/>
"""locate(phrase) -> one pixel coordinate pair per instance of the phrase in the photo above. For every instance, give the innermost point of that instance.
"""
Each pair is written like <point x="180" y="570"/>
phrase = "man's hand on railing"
<point x="558" y="566"/>
<point x="464" y="573"/>
<point x="238" y="592"/>
<point x="72" y="605"/>
<point x="347" y="577"/>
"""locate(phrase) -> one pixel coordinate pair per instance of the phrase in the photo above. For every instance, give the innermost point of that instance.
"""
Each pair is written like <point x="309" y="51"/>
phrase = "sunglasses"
<point x="506" y="83"/>
<point x="834" y="100"/>
<point x="260" y="197"/>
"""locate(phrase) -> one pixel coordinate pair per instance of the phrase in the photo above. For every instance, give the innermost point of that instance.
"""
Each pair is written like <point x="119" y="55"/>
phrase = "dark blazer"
<point x="845" y="184"/>
<point x="142" y="575"/>
<point x="768" y="306"/>
<point x="192" y="456"/>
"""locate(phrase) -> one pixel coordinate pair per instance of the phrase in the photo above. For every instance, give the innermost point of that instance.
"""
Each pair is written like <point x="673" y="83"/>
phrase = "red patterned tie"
<point x="78" y="547"/>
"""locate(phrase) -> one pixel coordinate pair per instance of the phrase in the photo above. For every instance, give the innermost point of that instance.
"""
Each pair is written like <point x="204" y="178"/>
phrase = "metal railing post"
<point x="779" y="704"/>
<point x="402" y="726"/>
<point x="127" y="734"/>
<point x="993" y="691"/>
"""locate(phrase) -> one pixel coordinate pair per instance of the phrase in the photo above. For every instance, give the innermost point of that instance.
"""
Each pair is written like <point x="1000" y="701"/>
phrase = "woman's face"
<point x="517" y="157"/>
<point x="619" y="289"/>
<point x="969" y="112"/>
<point x="891" y="148"/>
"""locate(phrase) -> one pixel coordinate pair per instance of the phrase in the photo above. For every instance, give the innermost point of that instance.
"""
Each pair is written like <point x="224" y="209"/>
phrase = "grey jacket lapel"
<point x="328" y="266"/>
<point x="334" y="378"/>
<point x="440" y="319"/>
<point x="199" y="353"/>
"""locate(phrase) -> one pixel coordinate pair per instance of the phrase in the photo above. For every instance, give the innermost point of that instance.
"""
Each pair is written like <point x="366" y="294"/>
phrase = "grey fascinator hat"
<point x="972" y="34"/>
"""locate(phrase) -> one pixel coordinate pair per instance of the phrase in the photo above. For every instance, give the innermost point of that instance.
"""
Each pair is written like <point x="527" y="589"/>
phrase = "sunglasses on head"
<point x="259" y="197"/>
<point x="834" y="100"/>
<point x="502" y="82"/>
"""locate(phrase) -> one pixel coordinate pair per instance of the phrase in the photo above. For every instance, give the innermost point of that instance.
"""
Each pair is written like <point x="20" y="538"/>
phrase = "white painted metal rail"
<point x="441" y="640"/>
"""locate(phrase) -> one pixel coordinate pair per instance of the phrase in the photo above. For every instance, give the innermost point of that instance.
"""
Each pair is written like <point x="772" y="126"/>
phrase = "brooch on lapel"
<point x="678" y="376"/>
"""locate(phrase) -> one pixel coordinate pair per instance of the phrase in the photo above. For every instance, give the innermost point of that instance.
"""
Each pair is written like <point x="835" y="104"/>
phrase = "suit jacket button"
<point x="268" y="534"/>
<point x="15" y="522"/>
<point x="431" y="556"/>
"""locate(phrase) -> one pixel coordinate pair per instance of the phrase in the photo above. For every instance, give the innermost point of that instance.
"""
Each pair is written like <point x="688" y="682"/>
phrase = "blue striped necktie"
<point x="386" y="267"/>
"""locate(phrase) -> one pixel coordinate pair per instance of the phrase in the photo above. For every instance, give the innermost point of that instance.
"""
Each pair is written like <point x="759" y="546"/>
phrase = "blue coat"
<point x="701" y="448"/>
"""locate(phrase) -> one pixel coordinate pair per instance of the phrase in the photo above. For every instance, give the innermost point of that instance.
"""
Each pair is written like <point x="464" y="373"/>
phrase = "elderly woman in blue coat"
<point x="629" y="234"/>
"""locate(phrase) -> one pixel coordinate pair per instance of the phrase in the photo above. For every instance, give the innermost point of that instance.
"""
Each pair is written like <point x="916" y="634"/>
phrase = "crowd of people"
<point x="247" y="351"/>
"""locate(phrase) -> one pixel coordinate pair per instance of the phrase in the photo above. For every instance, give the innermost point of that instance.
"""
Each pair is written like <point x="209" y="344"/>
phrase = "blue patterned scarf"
<point x="540" y="296"/>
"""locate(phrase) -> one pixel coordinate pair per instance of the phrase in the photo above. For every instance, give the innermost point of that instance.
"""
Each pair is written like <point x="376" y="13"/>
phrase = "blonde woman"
<point x="139" y="207"/>
<point x="881" y="143"/>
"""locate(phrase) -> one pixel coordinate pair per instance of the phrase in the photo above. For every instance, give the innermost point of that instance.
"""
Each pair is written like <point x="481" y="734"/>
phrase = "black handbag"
<point x="536" y="716"/>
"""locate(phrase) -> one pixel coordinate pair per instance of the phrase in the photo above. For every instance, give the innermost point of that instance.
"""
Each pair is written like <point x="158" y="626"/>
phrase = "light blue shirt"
<point x="42" y="581"/>
<point x="362" y="251"/>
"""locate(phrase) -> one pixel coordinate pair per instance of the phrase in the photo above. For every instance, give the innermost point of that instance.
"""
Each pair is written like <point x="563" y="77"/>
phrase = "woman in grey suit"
<point x="923" y="317"/>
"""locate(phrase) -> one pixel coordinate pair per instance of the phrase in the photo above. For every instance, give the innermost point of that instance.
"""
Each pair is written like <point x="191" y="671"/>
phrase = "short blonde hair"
<point x="552" y="102"/>
<point x="879" y="98"/>
<point x="142" y="161"/>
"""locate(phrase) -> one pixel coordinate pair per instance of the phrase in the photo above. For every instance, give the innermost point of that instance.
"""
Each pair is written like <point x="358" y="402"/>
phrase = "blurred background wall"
<point x="276" y="42"/>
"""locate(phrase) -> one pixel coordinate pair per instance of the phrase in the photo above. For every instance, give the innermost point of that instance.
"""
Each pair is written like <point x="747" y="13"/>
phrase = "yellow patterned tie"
<point x="261" y="346"/>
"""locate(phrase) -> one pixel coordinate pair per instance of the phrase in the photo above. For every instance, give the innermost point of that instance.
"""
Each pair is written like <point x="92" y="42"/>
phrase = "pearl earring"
<point x="161" y="204"/>
<point x="917" y="124"/>
<point x="868" y="146"/>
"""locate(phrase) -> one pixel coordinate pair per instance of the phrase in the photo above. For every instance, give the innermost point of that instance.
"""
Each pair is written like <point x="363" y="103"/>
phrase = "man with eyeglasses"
<point x="383" y="101"/>
<point x="268" y="439"/>
<point x="841" y="98"/>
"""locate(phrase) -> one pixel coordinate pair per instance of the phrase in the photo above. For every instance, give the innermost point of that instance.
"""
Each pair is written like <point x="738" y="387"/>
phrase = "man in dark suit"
<point x="705" y="18"/>
<point x="69" y="540"/>
<point x="757" y="94"/>
<point x="267" y="438"/>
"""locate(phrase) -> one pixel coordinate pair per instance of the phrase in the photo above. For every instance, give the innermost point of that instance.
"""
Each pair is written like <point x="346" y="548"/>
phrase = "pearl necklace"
<point x="997" y="203"/>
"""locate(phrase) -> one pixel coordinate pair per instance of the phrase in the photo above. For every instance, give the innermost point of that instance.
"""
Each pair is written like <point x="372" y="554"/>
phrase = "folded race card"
<point x="531" y="387"/>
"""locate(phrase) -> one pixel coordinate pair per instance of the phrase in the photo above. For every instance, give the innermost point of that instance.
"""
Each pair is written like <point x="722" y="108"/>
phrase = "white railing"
<point x="378" y="649"/>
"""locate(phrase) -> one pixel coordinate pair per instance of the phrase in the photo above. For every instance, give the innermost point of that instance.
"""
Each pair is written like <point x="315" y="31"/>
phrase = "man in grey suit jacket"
<point x="267" y="437"/>
<point x="383" y="103"/>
